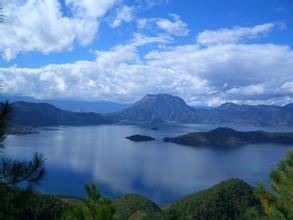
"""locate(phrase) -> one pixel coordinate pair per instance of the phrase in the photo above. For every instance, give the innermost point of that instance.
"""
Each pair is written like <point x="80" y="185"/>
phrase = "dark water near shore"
<point x="160" y="171"/>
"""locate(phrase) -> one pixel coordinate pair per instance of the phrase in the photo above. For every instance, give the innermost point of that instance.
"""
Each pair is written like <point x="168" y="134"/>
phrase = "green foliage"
<point x="75" y="211"/>
<point x="94" y="207"/>
<point x="128" y="205"/>
<point x="13" y="172"/>
<point x="227" y="200"/>
<point x="5" y="115"/>
<point x="91" y="203"/>
<point x="23" y="204"/>
<point x="163" y="215"/>
<point x="16" y="203"/>
<point x="227" y="137"/>
<point x="278" y="203"/>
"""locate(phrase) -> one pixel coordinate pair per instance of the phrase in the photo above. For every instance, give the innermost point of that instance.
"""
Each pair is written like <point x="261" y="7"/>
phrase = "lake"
<point x="160" y="171"/>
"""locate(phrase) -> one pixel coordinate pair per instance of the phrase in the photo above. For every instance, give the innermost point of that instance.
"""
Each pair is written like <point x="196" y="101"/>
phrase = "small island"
<point x="229" y="137"/>
<point x="22" y="130"/>
<point x="139" y="138"/>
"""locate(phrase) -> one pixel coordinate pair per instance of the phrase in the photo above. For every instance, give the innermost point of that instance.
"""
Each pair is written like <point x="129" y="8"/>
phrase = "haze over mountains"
<point x="156" y="108"/>
<point x="75" y="106"/>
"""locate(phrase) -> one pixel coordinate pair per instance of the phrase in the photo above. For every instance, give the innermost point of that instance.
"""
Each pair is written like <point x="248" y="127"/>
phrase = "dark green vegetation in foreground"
<point x="133" y="206"/>
<point x="227" y="200"/>
<point x="25" y="205"/>
<point x="93" y="207"/>
<point x="228" y="137"/>
<point x="15" y="172"/>
<point x="138" y="138"/>
<point x="277" y="203"/>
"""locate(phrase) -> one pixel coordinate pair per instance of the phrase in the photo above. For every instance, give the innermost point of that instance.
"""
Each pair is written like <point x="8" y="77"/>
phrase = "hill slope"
<point x="42" y="114"/>
<point x="227" y="200"/>
<point x="228" y="137"/>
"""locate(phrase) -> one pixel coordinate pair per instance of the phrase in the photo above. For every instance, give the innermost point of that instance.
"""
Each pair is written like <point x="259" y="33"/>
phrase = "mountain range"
<point x="168" y="108"/>
<point x="75" y="106"/>
<point x="43" y="114"/>
<point x="155" y="109"/>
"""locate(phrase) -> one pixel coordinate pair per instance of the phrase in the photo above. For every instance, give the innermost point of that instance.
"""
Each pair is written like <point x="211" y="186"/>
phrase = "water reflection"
<point x="161" y="171"/>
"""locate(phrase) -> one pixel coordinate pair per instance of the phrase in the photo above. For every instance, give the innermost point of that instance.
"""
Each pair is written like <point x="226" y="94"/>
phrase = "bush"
<point x="133" y="204"/>
<point x="20" y="204"/>
<point x="227" y="200"/>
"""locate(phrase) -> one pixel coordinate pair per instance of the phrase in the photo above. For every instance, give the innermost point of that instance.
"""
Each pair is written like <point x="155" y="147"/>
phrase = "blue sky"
<point x="208" y="52"/>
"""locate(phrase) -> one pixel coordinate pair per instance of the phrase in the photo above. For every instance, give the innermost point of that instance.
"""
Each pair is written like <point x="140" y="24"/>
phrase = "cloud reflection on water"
<point x="160" y="171"/>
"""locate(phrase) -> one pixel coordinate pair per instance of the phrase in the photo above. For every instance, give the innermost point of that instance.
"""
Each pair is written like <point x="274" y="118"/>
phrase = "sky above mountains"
<point x="205" y="51"/>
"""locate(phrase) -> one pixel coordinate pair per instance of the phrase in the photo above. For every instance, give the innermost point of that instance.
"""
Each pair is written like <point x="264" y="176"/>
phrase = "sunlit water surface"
<point x="160" y="171"/>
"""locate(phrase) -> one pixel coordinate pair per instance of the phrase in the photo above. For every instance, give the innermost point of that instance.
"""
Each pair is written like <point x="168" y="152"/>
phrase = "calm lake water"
<point x="160" y="171"/>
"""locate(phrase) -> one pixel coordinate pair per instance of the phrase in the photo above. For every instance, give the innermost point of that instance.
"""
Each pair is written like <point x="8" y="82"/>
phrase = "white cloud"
<point x="175" y="26"/>
<point x="233" y="35"/>
<point x="248" y="90"/>
<point x="287" y="87"/>
<point x="123" y="14"/>
<point x="90" y="8"/>
<point x="152" y="3"/>
<point x="41" y="26"/>
<point x="172" y="26"/>
<point x="142" y="23"/>
<point x="238" y="72"/>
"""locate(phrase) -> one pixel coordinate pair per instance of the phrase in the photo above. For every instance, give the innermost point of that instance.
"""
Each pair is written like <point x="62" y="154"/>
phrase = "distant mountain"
<point x="228" y="137"/>
<point x="75" y="106"/>
<point x="164" y="107"/>
<point x="159" y="107"/>
<point x="259" y="115"/>
<point x="43" y="114"/>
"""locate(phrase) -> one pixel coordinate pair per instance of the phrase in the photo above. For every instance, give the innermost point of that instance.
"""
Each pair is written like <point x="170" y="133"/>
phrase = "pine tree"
<point x="278" y="203"/>
<point x="16" y="172"/>
<point x="93" y="207"/>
